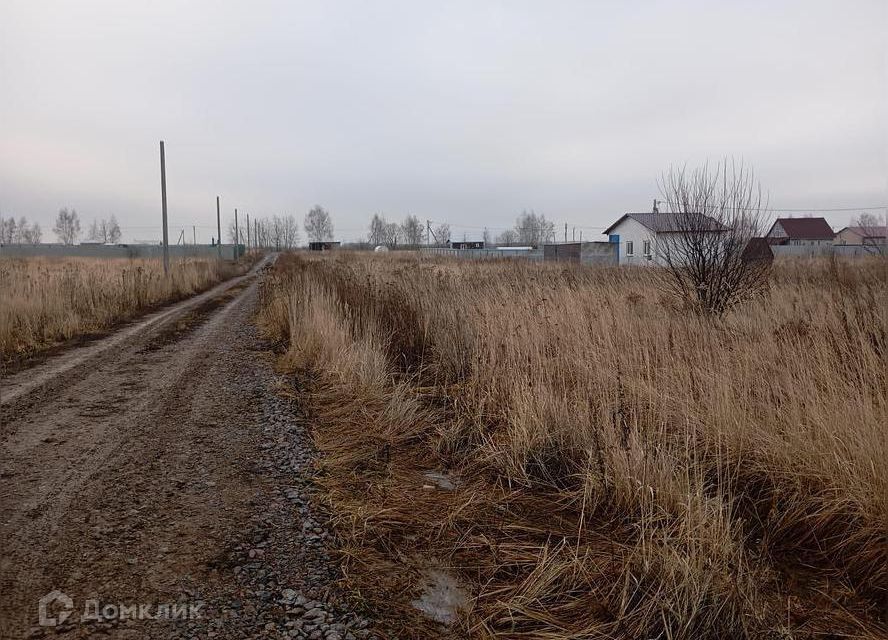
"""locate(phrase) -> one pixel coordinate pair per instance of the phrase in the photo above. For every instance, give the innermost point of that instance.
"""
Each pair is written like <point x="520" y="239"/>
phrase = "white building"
<point x="644" y="237"/>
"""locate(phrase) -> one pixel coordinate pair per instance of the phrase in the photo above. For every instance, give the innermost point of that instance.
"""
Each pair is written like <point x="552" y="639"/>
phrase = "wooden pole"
<point x="163" y="199"/>
<point x="218" y="229"/>
<point x="236" y="237"/>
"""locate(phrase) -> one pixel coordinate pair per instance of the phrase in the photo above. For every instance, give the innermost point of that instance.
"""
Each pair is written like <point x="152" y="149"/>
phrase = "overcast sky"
<point x="464" y="112"/>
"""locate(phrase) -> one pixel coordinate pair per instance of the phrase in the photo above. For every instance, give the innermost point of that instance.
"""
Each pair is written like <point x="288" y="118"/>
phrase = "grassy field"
<point x="622" y="468"/>
<point x="45" y="302"/>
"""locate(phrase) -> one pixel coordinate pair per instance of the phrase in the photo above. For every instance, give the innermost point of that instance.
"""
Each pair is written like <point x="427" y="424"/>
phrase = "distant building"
<point x="811" y="232"/>
<point x="467" y="244"/>
<point x="601" y="253"/>
<point x="862" y="235"/>
<point x="643" y="238"/>
<point x="758" y="250"/>
<point x="322" y="246"/>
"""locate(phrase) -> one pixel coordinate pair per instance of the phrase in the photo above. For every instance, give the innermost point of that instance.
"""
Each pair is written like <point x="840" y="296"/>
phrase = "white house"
<point x="643" y="237"/>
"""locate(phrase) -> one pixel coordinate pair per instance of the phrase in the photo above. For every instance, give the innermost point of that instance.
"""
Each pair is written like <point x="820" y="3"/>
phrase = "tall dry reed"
<point x="44" y="301"/>
<point x="627" y="469"/>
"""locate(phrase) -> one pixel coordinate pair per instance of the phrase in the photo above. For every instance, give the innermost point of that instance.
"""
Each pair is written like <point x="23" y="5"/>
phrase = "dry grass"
<point x="627" y="469"/>
<point x="45" y="302"/>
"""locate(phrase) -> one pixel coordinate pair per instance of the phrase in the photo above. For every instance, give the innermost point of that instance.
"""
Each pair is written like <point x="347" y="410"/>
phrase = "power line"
<point x="828" y="210"/>
<point x="808" y="210"/>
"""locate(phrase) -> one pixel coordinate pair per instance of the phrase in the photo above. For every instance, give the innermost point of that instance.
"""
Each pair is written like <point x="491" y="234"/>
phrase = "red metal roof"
<point x="805" y="228"/>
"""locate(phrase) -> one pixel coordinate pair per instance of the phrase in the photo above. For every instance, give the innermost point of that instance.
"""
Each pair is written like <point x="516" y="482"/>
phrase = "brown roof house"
<point x="812" y="232"/>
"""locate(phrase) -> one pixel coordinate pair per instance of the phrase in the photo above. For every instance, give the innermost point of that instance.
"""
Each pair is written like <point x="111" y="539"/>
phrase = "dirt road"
<point x="157" y="480"/>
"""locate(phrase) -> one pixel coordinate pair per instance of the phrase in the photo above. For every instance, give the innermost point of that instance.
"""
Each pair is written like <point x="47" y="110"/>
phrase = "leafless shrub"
<point x="713" y="216"/>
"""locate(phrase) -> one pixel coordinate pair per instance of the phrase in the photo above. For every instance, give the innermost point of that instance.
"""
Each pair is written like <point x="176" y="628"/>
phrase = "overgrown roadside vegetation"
<point x="620" y="467"/>
<point x="45" y="302"/>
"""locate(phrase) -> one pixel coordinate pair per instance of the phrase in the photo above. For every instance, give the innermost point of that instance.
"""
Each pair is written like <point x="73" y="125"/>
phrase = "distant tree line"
<point x="409" y="233"/>
<point x="531" y="229"/>
<point x="19" y="231"/>
<point x="279" y="233"/>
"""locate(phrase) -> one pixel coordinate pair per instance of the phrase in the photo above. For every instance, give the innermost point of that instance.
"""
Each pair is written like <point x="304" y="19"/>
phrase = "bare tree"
<point x="873" y="233"/>
<point x="35" y="234"/>
<point x="291" y="232"/>
<point x="7" y="230"/>
<point x="112" y="230"/>
<point x="411" y="230"/>
<point x="533" y="229"/>
<point x="441" y="233"/>
<point x="22" y="231"/>
<point x="378" y="225"/>
<point x="94" y="233"/>
<point x="67" y="226"/>
<point x="107" y="231"/>
<point x="713" y="215"/>
<point x="391" y="234"/>
<point x="507" y="238"/>
<point x="318" y="225"/>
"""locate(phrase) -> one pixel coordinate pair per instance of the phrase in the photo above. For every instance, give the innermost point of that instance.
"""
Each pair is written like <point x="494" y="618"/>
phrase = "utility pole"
<point x="565" y="232"/>
<point x="218" y="229"/>
<point x="428" y="232"/>
<point x="236" y="238"/>
<point x="194" y="234"/>
<point x="163" y="199"/>
<point x="249" y="246"/>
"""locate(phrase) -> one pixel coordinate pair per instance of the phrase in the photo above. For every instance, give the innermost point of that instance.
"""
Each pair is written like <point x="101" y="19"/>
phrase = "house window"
<point x="646" y="249"/>
<point x="630" y="251"/>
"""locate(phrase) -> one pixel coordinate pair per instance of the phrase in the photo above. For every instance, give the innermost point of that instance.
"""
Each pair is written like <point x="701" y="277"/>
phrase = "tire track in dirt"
<point x="131" y="470"/>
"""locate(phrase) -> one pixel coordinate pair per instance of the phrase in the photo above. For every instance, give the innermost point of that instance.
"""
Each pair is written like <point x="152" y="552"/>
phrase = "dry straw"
<point x="44" y="302"/>
<point x="627" y="469"/>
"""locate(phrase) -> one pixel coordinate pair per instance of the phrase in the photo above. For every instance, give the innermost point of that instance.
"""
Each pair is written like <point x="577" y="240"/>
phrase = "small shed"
<point x="322" y="246"/>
